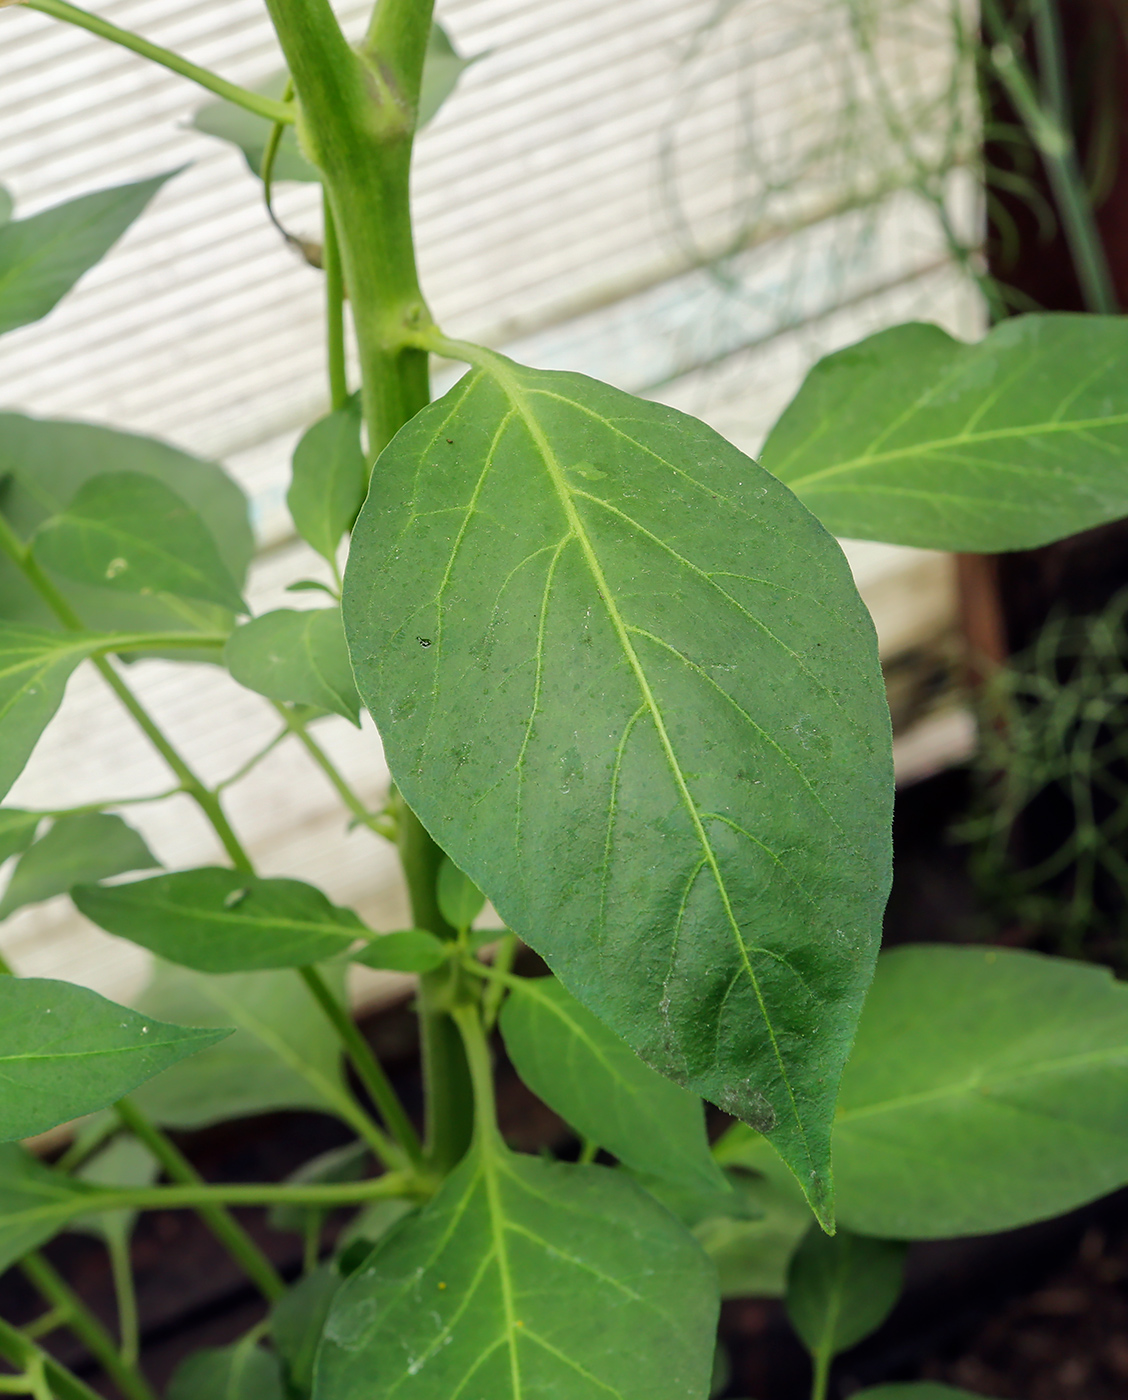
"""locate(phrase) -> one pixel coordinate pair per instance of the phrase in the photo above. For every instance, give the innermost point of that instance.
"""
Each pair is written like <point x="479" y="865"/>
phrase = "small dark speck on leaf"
<point x="450" y="442"/>
<point x="423" y="641"/>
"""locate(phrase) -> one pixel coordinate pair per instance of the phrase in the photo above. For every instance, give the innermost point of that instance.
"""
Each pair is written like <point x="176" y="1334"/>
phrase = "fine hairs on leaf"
<point x="629" y="694"/>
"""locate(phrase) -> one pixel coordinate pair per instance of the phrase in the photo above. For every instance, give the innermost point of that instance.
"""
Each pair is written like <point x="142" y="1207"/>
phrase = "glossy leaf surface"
<point x="35" y="666"/>
<point x="526" y="1280"/>
<point x="219" y="920"/>
<point x="916" y="438"/>
<point x="969" y="1067"/>
<point x="841" y="1288"/>
<point x="597" y="1083"/>
<point x="330" y="478"/>
<point x="296" y="656"/>
<point x="282" y="1054"/>
<point x="66" y="1051"/>
<point x="46" y="463"/>
<point x="244" y="1371"/>
<point x="35" y="1203"/>
<point x="41" y="258"/>
<point x="131" y="533"/>
<point x="626" y="681"/>
<point x="85" y="846"/>
<point x="412" y="950"/>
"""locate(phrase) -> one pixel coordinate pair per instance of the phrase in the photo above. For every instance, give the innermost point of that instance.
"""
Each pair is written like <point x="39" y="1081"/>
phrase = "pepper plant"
<point x="628" y="691"/>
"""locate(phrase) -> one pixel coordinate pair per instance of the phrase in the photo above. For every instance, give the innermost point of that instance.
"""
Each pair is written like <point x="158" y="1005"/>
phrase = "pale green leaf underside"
<point x="526" y="1280"/>
<point x="218" y="920"/>
<point x="597" y="1083"/>
<point x="65" y="1051"/>
<point x="628" y="684"/>
<point x="298" y="657"/>
<point x="915" y="438"/>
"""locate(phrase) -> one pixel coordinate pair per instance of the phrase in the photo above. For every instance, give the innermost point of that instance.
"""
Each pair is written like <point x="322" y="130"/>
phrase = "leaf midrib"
<point x="799" y="483"/>
<point x="513" y="391"/>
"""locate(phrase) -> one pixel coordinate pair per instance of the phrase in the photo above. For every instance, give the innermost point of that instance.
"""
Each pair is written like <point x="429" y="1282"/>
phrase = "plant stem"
<point x="87" y="1328"/>
<point x="481" y="1072"/>
<point x="334" y="311"/>
<point x="21" y="1351"/>
<point x="251" y="101"/>
<point x="820" y="1382"/>
<point x="368" y="1068"/>
<point x="222" y="1224"/>
<point x="375" y="821"/>
<point x="500" y="970"/>
<point x="121" y="1269"/>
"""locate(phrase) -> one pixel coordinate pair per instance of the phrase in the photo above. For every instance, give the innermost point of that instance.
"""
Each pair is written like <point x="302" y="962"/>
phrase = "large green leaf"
<point x="526" y="1280"/>
<point x="42" y="466"/>
<point x="240" y="1372"/>
<point x="330" y="477"/>
<point x="916" y="438"/>
<point x="41" y="258"/>
<point x="986" y="1089"/>
<point x="133" y="534"/>
<point x="441" y="70"/>
<point x="296" y="656"/>
<point x="283" y="1053"/>
<point x="597" y="1083"/>
<point x="35" y="1203"/>
<point x="35" y="666"/>
<point x="17" y="830"/>
<point x="840" y="1288"/>
<point x="626" y="681"/>
<point x="66" y="1051"/>
<point x="219" y="920"/>
<point x="86" y="846"/>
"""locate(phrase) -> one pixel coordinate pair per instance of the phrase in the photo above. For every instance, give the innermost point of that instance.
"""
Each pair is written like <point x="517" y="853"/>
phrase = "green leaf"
<point x="296" y="656"/>
<point x="752" y="1256"/>
<point x="330" y="479"/>
<point x="840" y="1288"/>
<point x="242" y="1372"/>
<point x="283" y="1054"/>
<point x="35" y="1203"/>
<point x="7" y="205"/>
<point x="915" y="1390"/>
<point x="460" y="899"/>
<point x="971" y="1066"/>
<point x="124" y="1163"/>
<point x="597" y="1083"/>
<point x="65" y="1051"/>
<point x="46" y="463"/>
<point x="413" y="950"/>
<point x="41" y="258"/>
<point x="442" y="68"/>
<point x="338" y="1164"/>
<point x="131" y="533"/>
<point x="250" y="133"/>
<point x="916" y="438"/>
<point x="87" y="846"/>
<point x="626" y="681"/>
<point x="527" y="1278"/>
<point x="17" y="830"/>
<point x="297" y="1321"/>
<point x="34" y="669"/>
<point x="219" y="920"/>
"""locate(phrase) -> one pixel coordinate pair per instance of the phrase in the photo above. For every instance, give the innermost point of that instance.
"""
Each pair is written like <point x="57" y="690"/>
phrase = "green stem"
<point x="20" y="1351"/>
<point x="1048" y="126"/>
<point x="500" y="973"/>
<point x="334" y="311"/>
<point x="121" y="1270"/>
<point x="368" y="1069"/>
<point x="251" y="101"/>
<point x="222" y="1224"/>
<point x="375" y="821"/>
<point x="481" y="1072"/>
<point x="46" y="1323"/>
<point x="820" y="1382"/>
<point x="82" y="1322"/>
